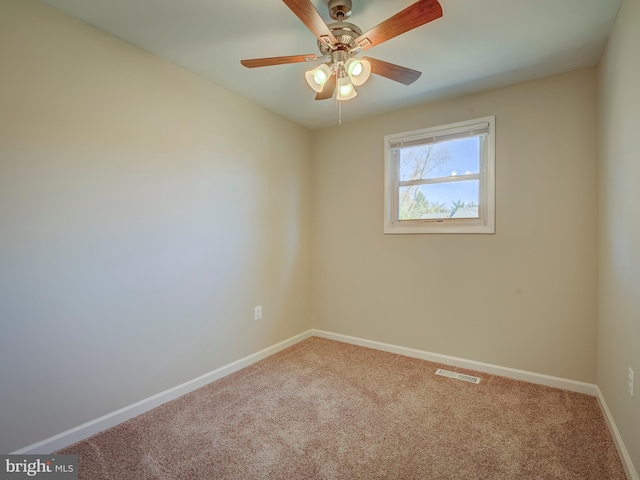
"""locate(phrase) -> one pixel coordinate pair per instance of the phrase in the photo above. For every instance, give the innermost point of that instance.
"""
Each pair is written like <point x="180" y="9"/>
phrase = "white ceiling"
<point x="476" y="45"/>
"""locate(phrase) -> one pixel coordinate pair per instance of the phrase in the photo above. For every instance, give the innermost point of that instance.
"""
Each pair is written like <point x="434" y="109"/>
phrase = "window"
<point x="441" y="179"/>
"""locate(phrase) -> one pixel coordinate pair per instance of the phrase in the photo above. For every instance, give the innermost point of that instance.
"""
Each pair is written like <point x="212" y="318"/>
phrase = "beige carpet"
<point x="328" y="410"/>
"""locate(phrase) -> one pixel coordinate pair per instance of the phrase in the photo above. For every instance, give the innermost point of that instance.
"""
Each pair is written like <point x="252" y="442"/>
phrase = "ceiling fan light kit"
<point x="339" y="43"/>
<point x="358" y="69"/>
<point x="317" y="77"/>
<point x="345" y="89"/>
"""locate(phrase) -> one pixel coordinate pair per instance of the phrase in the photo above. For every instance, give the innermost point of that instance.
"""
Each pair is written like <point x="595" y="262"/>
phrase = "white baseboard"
<point x="537" y="378"/>
<point x="88" y="429"/>
<point x="629" y="469"/>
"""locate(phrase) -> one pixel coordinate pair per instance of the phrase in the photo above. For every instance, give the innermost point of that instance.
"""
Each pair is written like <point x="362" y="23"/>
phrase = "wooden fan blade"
<point x="394" y="72"/>
<point x="267" y="62"/>
<point x="421" y="12"/>
<point x="308" y="14"/>
<point x="328" y="89"/>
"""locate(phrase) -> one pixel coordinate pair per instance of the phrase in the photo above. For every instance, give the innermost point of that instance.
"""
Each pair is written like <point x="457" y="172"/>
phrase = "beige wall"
<point x="144" y="212"/>
<point x="619" y="173"/>
<point x="522" y="298"/>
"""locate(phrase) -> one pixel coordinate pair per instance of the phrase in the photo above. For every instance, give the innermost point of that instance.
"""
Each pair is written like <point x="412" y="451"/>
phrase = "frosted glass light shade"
<point x="345" y="89"/>
<point x="317" y="77"/>
<point x="358" y="70"/>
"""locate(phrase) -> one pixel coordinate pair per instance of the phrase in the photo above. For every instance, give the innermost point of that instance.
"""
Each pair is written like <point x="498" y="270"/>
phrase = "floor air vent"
<point x="458" y="376"/>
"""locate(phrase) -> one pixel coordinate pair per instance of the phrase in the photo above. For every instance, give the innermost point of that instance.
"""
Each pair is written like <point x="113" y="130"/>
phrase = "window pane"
<point x="439" y="200"/>
<point x="445" y="159"/>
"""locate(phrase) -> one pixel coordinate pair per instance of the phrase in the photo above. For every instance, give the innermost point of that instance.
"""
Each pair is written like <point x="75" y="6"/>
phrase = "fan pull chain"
<point x="339" y="112"/>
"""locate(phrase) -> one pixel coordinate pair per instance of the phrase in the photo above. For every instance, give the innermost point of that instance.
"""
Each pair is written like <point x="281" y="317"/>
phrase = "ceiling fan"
<point x="340" y="42"/>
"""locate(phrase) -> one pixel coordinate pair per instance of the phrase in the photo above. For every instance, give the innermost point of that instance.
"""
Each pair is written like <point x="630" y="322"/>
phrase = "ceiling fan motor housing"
<point x="345" y="33"/>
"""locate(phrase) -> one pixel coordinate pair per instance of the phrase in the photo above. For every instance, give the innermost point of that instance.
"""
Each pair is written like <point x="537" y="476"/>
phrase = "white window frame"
<point x="486" y="209"/>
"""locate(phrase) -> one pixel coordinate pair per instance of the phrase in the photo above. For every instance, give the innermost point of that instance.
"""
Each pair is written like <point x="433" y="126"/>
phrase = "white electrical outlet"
<point x="630" y="385"/>
<point x="258" y="313"/>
